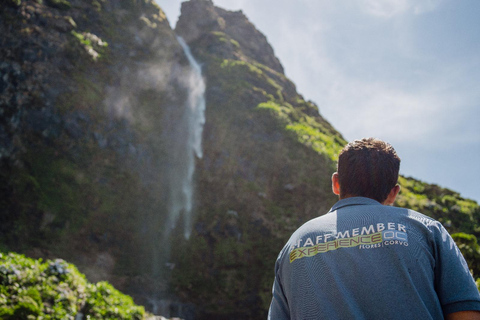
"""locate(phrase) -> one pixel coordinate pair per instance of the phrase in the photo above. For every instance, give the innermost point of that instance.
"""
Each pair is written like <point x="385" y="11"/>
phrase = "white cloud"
<point x="385" y="8"/>
<point x="376" y="109"/>
<point x="424" y="6"/>
<point x="391" y="8"/>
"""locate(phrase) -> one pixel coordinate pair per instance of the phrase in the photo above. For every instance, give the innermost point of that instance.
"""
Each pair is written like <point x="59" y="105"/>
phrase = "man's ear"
<point x="335" y="184"/>
<point x="392" y="195"/>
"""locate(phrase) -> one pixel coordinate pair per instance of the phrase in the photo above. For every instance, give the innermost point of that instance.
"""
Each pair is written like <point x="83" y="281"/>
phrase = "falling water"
<point x="181" y="188"/>
<point x="184" y="135"/>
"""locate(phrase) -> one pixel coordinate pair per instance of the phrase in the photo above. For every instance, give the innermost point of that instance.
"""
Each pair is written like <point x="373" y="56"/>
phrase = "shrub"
<point x="33" y="289"/>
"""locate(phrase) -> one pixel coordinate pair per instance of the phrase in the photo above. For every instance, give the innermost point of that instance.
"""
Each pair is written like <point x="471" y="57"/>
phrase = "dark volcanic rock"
<point x="84" y="86"/>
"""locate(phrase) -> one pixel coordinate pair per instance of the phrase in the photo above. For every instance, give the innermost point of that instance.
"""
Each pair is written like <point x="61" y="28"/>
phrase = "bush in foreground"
<point x="33" y="289"/>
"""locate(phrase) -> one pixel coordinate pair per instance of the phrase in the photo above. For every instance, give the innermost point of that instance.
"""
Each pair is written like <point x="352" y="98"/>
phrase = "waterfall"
<point x="181" y="189"/>
<point x="188" y="144"/>
<point x="183" y="133"/>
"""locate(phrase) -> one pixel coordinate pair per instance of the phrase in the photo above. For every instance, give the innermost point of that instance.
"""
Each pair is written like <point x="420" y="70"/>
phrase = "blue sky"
<point x="405" y="71"/>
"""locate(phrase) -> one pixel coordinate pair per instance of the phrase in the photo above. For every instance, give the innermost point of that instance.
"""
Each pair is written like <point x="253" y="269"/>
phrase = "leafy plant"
<point x="33" y="289"/>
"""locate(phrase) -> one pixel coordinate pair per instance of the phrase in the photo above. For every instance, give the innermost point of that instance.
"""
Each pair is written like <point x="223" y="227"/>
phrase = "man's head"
<point x="367" y="168"/>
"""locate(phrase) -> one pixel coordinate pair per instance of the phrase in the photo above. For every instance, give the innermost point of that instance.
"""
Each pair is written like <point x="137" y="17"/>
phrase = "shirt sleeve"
<point x="454" y="284"/>
<point x="279" y="306"/>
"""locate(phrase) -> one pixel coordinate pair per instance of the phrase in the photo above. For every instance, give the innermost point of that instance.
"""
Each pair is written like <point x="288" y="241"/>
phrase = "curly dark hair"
<point x="368" y="168"/>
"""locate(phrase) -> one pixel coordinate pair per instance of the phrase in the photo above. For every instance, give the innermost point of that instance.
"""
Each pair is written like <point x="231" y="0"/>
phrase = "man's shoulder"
<point x="417" y="216"/>
<point x="324" y="221"/>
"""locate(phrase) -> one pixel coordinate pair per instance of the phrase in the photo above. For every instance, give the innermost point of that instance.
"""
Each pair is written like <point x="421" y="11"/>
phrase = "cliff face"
<point x="88" y="94"/>
<point x="93" y="98"/>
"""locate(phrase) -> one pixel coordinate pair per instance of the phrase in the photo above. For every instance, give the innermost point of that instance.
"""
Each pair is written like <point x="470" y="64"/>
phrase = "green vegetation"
<point x="92" y="44"/>
<point x="256" y="77"/>
<point x="225" y="39"/>
<point x="33" y="289"/>
<point x="456" y="213"/>
<point x="306" y="129"/>
<point x="298" y="118"/>
<point x="468" y="245"/>
<point x="459" y="216"/>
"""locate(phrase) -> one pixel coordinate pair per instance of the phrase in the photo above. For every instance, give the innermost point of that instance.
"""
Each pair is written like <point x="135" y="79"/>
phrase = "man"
<point x="368" y="260"/>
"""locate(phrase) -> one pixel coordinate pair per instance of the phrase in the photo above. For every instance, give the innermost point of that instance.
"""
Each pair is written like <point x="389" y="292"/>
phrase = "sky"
<point x="405" y="71"/>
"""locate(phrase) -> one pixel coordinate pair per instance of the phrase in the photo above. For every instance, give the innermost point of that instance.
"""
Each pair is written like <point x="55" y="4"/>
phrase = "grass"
<point x="305" y="129"/>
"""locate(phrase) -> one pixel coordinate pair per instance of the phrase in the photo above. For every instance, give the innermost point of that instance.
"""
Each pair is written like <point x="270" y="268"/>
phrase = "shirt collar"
<point x="354" y="201"/>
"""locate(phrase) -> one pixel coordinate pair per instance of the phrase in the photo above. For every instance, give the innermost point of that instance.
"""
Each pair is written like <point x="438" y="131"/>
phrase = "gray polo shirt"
<point x="364" y="260"/>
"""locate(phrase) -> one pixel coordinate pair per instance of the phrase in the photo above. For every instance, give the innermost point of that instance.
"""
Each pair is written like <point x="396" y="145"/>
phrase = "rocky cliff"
<point x="93" y="94"/>
<point x="90" y="92"/>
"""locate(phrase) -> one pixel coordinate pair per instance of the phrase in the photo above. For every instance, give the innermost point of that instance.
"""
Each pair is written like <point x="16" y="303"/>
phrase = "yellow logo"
<point x="311" y="251"/>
